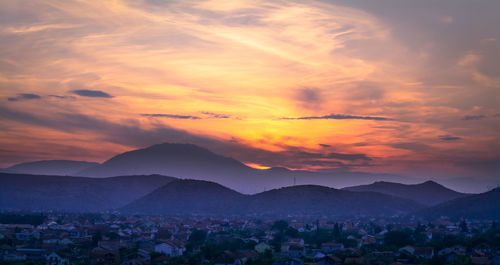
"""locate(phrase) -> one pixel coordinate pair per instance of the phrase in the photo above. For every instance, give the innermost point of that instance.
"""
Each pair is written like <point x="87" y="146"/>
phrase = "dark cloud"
<point x="298" y="153"/>
<point x="413" y="146"/>
<point x="208" y="115"/>
<point x="61" y="97"/>
<point x="24" y="96"/>
<point x="309" y="97"/>
<point x="325" y="145"/>
<point x="91" y="93"/>
<point x="347" y="157"/>
<point x="479" y="117"/>
<point x="448" y="137"/>
<point x="171" y="116"/>
<point x="473" y="117"/>
<point x="216" y="115"/>
<point x="338" y="117"/>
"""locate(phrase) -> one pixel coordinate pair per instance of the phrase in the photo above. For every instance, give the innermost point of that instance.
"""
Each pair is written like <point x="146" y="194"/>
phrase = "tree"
<point x="398" y="238"/>
<point x="280" y="225"/>
<point x="336" y="231"/>
<point x="197" y="236"/>
<point x="463" y="227"/>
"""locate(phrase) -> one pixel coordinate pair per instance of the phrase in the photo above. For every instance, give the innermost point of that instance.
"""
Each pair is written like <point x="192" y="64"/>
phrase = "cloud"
<point x="62" y="97"/>
<point x="473" y="117"/>
<point x="339" y="117"/>
<point x="24" y="96"/>
<point x="325" y="145"/>
<point x="216" y="115"/>
<point x="171" y="116"/>
<point x="448" y="137"/>
<point x="91" y="93"/>
<point x="479" y="117"/>
<point x="309" y="97"/>
<point x="208" y="115"/>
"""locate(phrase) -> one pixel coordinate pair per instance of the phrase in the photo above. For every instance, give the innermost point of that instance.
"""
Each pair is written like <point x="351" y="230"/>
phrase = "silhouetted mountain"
<point x="202" y="197"/>
<point x="479" y="206"/>
<point x="189" y="197"/>
<point x="427" y="193"/>
<point x="319" y="200"/>
<point x="179" y="160"/>
<point x="75" y="194"/>
<point x="193" y="162"/>
<point x="50" y="167"/>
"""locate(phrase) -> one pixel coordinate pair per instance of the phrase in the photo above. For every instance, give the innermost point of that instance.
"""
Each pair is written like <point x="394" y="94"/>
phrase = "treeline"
<point x="32" y="219"/>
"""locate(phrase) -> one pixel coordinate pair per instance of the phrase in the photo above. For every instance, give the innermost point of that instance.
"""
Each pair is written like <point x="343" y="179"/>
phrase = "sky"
<point x="404" y="87"/>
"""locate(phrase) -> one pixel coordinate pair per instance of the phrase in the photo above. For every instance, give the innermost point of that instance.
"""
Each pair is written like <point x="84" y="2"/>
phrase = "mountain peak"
<point x="428" y="192"/>
<point x="431" y="182"/>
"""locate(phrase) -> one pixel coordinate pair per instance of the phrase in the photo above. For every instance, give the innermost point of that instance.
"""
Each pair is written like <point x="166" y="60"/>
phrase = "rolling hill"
<point x="202" y="197"/>
<point x="189" y="197"/>
<point x="50" y="167"/>
<point x="428" y="193"/>
<point x="478" y="206"/>
<point x="75" y="194"/>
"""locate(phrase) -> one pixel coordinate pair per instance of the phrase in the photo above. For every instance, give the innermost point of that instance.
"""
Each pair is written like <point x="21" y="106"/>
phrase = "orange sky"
<point x="85" y="80"/>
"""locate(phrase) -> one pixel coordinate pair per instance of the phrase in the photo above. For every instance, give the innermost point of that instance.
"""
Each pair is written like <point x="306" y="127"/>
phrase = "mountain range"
<point x="203" y="197"/>
<point x="427" y="193"/>
<point x="204" y="182"/>
<point x="194" y="162"/>
<point x="156" y="194"/>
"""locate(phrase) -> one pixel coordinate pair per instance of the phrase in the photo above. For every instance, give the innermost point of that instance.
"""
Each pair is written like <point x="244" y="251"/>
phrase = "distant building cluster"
<point x="63" y="239"/>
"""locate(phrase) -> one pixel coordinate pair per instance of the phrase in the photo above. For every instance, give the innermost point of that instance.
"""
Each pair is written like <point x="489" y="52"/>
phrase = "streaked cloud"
<point x="24" y="96"/>
<point x="339" y="117"/>
<point x="91" y="93"/>
<point x="171" y="116"/>
<point x="448" y="137"/>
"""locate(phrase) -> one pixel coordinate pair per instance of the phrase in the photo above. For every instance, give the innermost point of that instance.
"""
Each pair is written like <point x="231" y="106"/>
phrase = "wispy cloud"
<point x="338" y="117"/>
<point x="473" y="117"/>
<point x="91" y="93"/>
<point x="448" y="137"/>
<point x="171" y="116"/>
<point x="215" y="115"/>
<point x="207" y="115"/>
<point x="24" y="96"/>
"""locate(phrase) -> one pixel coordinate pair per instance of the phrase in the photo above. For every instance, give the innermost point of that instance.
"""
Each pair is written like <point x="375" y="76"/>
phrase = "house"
<point x="296" y="251"/>
<point x="136" y="261"/>
<point x="329" y="260"/>
<point x="101" y="255"/>
<point x="262" y="248"/>
<point x="289" y="261"/>
<point x="354" y="260"/>
<point x="297" y="242"/>
<point x="424" y="252"/>
<point x="56" y="259"/>
<point x="170" y="249"/>
<point x="228" y="258"/>
<point x="33" y="253"/>
<point x="480" y="261"/>
<point x="330" y="247"/>
<point x="14" y="257"/>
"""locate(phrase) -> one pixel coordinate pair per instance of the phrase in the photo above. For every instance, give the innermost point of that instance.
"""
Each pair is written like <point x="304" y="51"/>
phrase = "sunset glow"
<point x="313" y="85"/>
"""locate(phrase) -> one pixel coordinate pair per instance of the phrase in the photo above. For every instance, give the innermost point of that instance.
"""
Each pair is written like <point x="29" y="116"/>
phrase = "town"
<point x="113" y="238"/>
